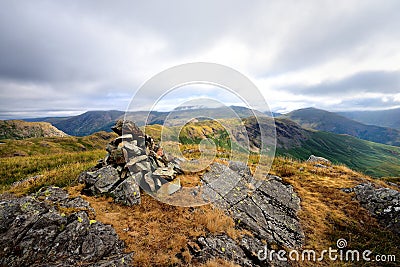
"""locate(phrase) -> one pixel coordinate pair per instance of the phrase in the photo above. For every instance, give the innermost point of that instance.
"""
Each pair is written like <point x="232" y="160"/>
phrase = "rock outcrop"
<point x="50" y="229"/>
<point x="266" y="208"/>
<point x="383" y="203"/>
<point x="133" y="161"/>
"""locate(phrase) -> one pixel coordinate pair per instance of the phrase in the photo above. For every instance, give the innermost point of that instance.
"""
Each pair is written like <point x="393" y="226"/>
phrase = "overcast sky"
<point x="67" y="57"/>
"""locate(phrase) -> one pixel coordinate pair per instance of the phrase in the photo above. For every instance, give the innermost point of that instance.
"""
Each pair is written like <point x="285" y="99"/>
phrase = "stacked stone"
<point x="133" y="159"/>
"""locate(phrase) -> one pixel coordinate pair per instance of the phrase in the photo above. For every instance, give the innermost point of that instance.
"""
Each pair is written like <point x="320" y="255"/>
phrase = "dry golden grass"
<point x="158" y="233"/>
<point x="328" y="214"/>
<point x="189" y="180"/>
<point x="219" y="263"/>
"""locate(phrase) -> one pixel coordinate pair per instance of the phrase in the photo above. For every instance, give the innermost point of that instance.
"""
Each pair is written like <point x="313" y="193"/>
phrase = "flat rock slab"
<point x="268" y="210"/>
<point x="243" y="252"/>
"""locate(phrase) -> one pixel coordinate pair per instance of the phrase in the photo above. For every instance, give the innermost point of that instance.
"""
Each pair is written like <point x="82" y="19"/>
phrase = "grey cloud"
<point x="385" y="82"/>
<point x="331" y="30"/>
<point x="369" y="103"/>
<point x="95" y="54"/>
<point x="47" y="41"/>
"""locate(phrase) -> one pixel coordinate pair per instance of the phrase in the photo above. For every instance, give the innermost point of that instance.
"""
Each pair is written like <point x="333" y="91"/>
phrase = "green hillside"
<point x="322" y="120"/>
<point x="49" y="160"/>
<point x="371" y="158"/>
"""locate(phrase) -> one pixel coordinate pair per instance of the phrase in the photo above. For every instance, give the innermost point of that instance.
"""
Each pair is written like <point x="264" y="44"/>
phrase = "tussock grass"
<point x="159" y="233"/>
<point x="58" y="169"/>
<point x="328" y="214"/>
<point x="219" y="263"/>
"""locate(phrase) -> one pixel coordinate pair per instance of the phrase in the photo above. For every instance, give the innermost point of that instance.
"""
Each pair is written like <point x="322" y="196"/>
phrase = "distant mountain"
<point x="87" y="123"/>
<point x="331" y="122"/>
<point x="95" y="121"/>
<point x="17" y="129"/>
<point x="385" y="118"/>
<point x="51" y="120"/>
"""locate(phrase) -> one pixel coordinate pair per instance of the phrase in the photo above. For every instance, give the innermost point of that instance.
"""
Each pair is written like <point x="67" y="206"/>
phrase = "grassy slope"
<point x="55" y="161"/>
<point x="370" y="158"/>
<point x="328" y="214"/>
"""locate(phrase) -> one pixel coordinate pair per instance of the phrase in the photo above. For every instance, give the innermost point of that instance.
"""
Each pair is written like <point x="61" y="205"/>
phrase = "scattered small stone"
<point x="320" y="166"/>
<point x="313" y="158"/>
<point x="347" y="190"/>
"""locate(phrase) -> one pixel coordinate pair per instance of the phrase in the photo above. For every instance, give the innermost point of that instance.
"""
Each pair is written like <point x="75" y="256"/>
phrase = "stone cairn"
<point x="133" y="160"/>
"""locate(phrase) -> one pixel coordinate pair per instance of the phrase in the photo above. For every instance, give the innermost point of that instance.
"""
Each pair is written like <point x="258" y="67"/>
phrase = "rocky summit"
<point x="133" y="160"/>
<point x="314" y="203"/>
<point x="50" y="229"/>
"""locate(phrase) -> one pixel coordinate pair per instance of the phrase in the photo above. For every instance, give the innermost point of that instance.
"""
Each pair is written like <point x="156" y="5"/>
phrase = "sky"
<point x="60" y="58"/>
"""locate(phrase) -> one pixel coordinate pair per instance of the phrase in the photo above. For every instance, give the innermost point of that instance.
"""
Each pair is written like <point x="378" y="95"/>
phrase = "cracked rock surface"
<point x="267" y="210"/>
<point x="50" y="229"/>
<point x="383" y="203"/>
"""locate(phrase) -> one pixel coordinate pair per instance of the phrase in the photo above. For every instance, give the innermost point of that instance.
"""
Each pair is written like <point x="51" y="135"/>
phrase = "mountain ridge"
<point x="322" y="120"/>
<point x="384" y="118"/>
